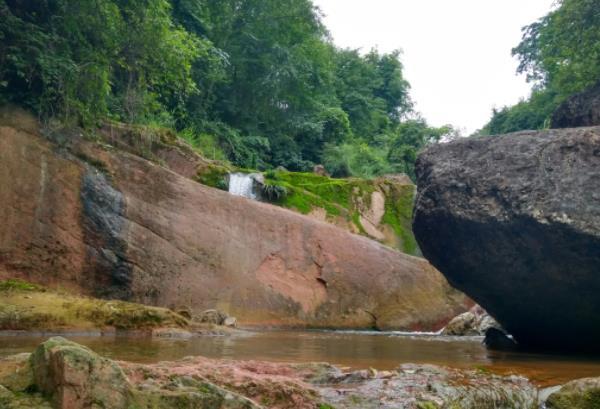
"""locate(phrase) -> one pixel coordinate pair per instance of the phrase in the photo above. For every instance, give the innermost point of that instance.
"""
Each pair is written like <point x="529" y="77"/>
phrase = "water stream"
<point x="357" y="350"/>
<point x="243" y="184"/>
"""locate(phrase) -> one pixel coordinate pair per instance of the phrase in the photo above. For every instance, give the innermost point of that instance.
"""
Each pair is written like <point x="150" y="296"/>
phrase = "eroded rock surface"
<point x="514" y="221"/>
<point x="71" y="376"/>
<point x="89" y="218"/>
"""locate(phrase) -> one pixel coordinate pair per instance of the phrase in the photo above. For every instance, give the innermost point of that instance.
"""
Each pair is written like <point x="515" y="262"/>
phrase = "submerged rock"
<point x="514" y="222"/>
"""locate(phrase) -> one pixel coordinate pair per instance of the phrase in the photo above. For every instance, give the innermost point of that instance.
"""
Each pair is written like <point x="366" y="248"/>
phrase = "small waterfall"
<point x="243" y="184"/>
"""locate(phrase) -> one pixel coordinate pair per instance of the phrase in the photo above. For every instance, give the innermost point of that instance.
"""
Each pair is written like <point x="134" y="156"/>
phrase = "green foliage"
<point x="533" y="113"/>
<point x="410" y="137"/>
<point x="273" y="192"/>
<point x="560" y="54"/>
<point x="355" y="159"/>
<point x="86" y="60"/>
<point x="256" y="82"/>
<point x="562" y="49"/>
<point x="19" y="285"/>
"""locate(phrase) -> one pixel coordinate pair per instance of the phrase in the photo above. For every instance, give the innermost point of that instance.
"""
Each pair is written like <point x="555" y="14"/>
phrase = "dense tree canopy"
<point x="560" y="54"/>
<point x="257" y="82"/>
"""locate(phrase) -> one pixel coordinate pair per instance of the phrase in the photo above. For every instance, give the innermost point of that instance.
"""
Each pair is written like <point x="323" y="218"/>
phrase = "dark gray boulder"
<point x="581" y="109"/>
<point x="514" y="222"/>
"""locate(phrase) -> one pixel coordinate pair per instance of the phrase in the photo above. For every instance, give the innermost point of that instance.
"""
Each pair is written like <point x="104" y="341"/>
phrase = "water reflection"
<point x="354" y="350"/>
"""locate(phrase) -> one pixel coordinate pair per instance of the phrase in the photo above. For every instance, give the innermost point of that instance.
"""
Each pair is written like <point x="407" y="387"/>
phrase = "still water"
<point x="357" y="350"/>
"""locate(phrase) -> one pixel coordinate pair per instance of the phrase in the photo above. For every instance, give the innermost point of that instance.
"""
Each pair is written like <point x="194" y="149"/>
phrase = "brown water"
<point x="355" y="350"/>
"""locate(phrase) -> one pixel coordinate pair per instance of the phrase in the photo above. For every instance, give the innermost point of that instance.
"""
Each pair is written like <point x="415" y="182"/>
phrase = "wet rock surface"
<point x="71" y="376"/>
<point x="514" y="222"/>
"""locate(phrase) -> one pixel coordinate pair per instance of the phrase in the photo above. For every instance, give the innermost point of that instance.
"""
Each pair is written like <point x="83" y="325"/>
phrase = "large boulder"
<point x="75" y="377"/>
<point x="514" y="221"/>
<point x="94" y="219"/>
<point x="581" y="109"/>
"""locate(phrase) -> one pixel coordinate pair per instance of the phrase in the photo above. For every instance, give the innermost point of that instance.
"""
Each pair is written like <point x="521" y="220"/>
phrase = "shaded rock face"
<point x="109" y="223"/>
<point x="582" y="109"/>
<point x="514" y="221"/>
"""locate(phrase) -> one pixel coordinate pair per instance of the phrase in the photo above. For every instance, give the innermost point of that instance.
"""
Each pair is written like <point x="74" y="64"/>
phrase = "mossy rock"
<point x="186" y="392"/>
<point x="76" y="377"/>
<point x="25" y="306"/>
<point x="16" y="373"/>
<point x="348" y="199"/>
<point x="214" y="175"/>
<point x="579" y="394"/>
<point x="11" y="400"/>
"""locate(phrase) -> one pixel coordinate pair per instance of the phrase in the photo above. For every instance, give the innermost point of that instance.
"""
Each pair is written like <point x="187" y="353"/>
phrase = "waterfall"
<point x="243" y="184"/>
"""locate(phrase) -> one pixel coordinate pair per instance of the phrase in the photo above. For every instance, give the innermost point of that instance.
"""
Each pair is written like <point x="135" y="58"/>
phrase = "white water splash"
<point x="242" y="184"/>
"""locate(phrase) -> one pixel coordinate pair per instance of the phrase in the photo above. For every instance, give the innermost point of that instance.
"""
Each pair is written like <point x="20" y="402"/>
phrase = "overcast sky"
<point x="456" y="54"/>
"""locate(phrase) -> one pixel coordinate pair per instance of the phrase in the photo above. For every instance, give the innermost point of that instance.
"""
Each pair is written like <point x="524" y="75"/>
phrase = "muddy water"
<point x="355" y="350"/>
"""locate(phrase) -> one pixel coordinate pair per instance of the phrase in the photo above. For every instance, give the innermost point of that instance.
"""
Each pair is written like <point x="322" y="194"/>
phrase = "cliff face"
<point x="88" y="217"/>
<point x="380" y="209"/>
<point x="514" y="221"/>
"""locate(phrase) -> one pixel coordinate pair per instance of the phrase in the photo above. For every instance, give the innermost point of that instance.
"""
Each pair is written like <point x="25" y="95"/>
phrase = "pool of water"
<point x="356" y="350"/>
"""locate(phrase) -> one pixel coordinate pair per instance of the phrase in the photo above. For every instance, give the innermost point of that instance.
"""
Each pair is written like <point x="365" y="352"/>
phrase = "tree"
<point x="560" y="54"/>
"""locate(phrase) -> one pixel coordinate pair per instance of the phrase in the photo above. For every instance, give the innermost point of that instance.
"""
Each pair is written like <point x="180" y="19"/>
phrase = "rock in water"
<point x="514" y="221"/>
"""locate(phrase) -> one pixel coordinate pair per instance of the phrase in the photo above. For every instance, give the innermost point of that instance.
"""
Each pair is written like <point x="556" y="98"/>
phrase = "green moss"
<point x="324" y="406"/>
<point x="49" y="310"/>
<point x="398" y="215"/>
<point x="357" y="223"/>
<point x="427" y="405"/>
<point x="306" y="191"/>
<point x="19" y="285"/>
<point x="575" y="398"/>
<point x="214" y="176"/>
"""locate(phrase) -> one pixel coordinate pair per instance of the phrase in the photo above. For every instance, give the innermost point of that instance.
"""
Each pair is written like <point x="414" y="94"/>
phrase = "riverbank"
<point x="63" y="374"/>
<point x="67" y="375"/>
<point x="27" y="308"/>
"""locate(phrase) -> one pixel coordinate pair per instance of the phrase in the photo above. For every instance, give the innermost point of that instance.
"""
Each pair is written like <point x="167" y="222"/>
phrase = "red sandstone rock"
<point x="109" y="223"/>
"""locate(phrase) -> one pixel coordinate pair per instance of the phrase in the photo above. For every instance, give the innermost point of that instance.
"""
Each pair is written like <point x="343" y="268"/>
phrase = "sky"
<point x="456" y="53"/>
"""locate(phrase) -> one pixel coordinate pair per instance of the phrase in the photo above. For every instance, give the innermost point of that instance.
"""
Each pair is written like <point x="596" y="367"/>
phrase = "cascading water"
<point x="243" y="184"/>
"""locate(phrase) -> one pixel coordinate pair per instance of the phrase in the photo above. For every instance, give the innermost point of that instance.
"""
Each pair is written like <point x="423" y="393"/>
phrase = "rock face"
<point x="104" y="222"/>
<point x="582" y="109"/>
<point x="514" y="221"/>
